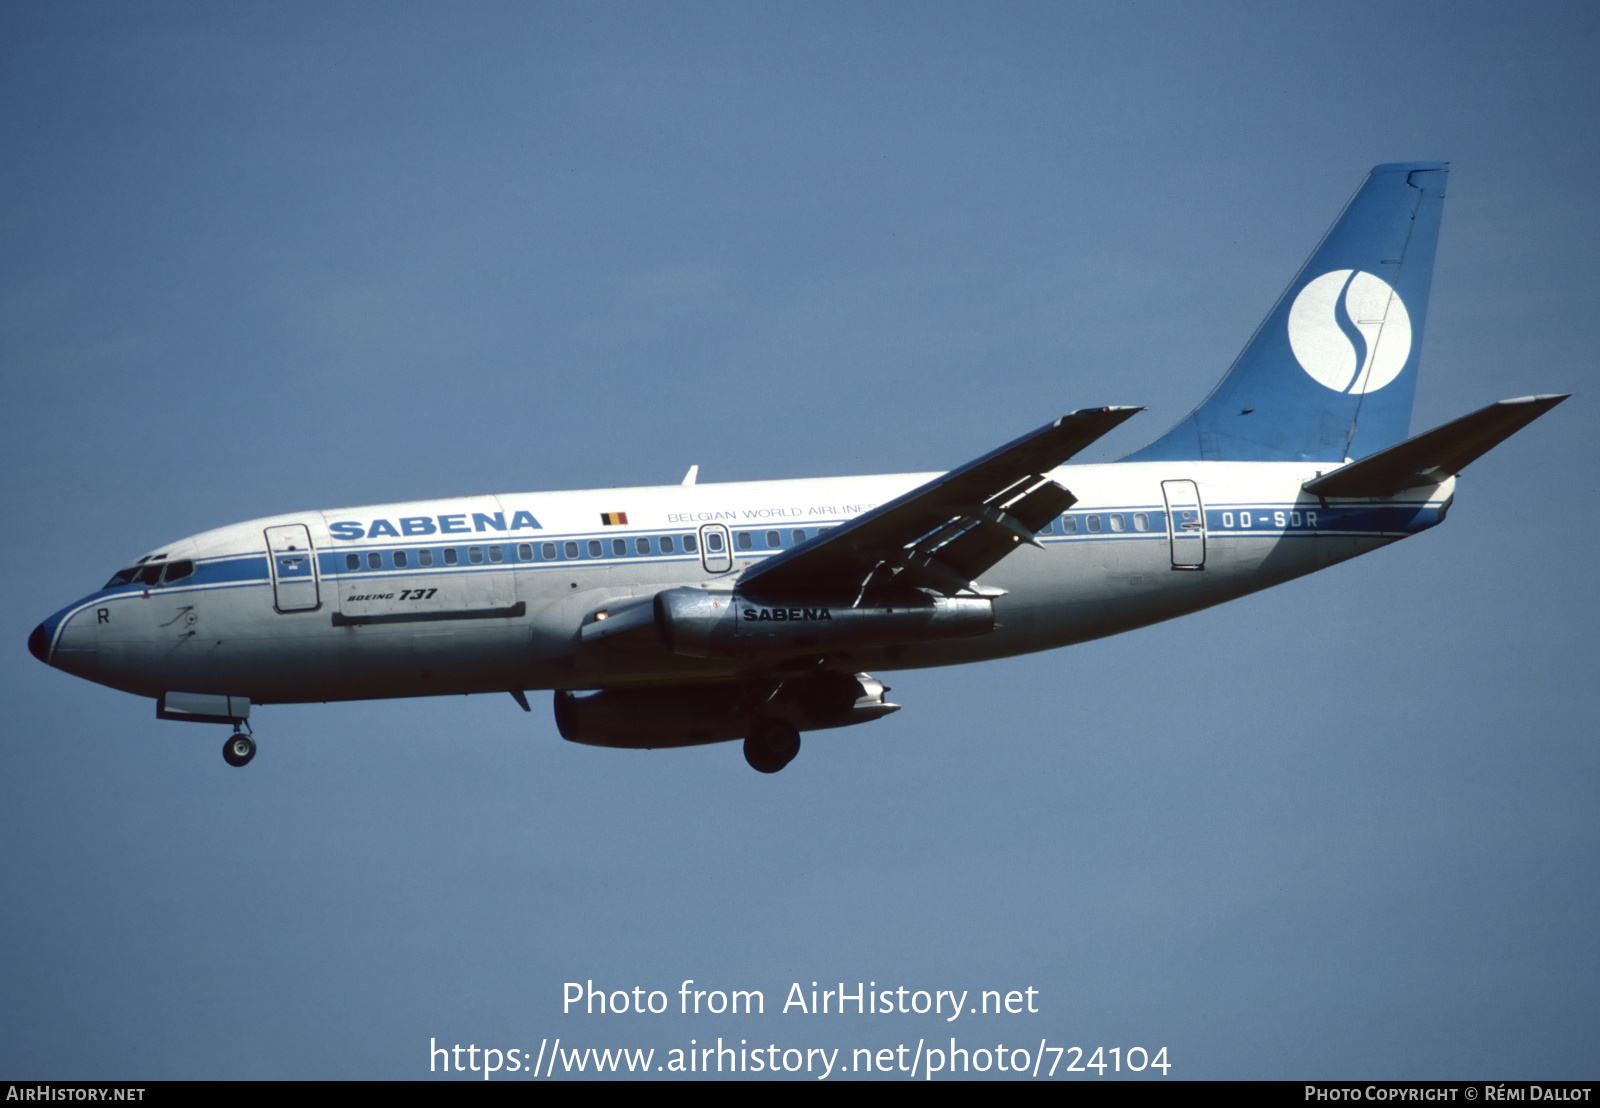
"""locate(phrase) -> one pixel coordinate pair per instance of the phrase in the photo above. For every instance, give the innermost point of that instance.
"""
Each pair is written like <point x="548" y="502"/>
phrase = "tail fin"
<point x="1331" y="373"/>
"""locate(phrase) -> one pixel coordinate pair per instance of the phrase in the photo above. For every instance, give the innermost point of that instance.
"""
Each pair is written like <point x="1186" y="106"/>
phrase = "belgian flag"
<point x="614" y="519"/>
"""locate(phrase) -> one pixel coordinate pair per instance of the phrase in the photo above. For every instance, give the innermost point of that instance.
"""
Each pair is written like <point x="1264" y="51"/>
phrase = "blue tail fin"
<point x="1332" y="371"/>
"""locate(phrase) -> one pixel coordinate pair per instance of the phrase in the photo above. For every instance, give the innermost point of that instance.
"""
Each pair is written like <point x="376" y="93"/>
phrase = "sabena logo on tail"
<point x="1350" y="331"/>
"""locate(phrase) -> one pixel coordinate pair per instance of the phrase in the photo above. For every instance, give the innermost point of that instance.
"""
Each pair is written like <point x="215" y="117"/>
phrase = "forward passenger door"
<point x="294" y="568"/>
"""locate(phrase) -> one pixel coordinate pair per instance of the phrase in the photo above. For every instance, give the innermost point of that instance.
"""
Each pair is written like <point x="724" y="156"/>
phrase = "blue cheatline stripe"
<point x="1222" y="520"/>
<point x="1351" y="519"/>
<point x="1227" y="519"/>
<point x="226" y="569"/>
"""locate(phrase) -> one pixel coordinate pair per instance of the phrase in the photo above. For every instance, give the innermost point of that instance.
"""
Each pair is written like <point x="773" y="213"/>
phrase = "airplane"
<point x="753" y="611"/>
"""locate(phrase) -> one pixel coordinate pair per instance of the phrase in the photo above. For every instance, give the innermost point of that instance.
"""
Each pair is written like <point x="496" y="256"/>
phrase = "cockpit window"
<point x="148" y="571"/>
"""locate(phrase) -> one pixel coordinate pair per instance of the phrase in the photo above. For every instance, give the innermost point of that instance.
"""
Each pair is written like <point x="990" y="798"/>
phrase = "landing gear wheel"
<point x="239" y="749"/>
<point x="771" y="746"/>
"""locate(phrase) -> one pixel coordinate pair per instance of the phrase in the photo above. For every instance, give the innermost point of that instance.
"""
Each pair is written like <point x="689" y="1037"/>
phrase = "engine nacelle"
<point x="689" y="715"/>
<point x="696" y="623"/>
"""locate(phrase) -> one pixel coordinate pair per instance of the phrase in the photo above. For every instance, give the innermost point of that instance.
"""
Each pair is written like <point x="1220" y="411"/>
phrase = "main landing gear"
<point x="771" y="746"/>
<point x="239" y="749"/>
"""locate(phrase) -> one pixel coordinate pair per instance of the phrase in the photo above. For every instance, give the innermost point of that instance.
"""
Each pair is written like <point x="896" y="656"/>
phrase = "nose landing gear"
<point x="239" y="749"/>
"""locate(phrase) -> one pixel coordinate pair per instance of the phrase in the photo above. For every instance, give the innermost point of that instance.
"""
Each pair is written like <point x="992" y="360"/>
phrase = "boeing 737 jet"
<point x="701" y="613"/>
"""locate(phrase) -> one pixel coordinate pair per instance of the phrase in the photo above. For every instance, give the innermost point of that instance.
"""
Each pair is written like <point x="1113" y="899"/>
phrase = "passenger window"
<point x="619" y="547"/>
<point x="424" y="557"/>
<point x="798" y="536"/>
<point x="375" y="560"/>
<point x="1048" y="529"/>
<point x="714" y="542"/>
<point x="496" y="554"/>
<point x="475" y="555"/>
<point x="1141" y="521"/>
<point x="400" y="559"/>
<point x="1094" y="523"/>
<point x="744" y="540"/>
<point x="570" y="549"/>
<point x="547" y="551"/>
<point x="352" y="561"/>
<point x="177" y="571"/>
<point x="691" y="545"/>
<point x="449" y="555"/>
<point x="525" y="552"/>
<point x="594" y="548"/>
<point x="666" y="544"/>
<point x="1117" y="523"/>
<point x="642" y="545"/>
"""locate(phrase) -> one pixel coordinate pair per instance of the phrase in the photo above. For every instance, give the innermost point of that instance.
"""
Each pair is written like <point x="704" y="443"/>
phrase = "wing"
<point x="944" y="534"/>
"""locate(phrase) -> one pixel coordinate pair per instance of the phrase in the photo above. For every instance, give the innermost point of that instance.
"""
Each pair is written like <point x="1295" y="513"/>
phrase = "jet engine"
<point x="697" y="623"/>
<point x="689" y="715"/>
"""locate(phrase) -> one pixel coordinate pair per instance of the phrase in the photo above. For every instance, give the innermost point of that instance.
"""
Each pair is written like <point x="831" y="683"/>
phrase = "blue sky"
<point x="260" y="258"/>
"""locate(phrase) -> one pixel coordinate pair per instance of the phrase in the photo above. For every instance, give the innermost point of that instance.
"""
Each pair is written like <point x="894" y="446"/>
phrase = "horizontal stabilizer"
<point x="1437" y="455"/>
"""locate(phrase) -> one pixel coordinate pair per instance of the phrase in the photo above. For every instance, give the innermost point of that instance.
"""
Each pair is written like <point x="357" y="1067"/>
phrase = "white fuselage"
<point x="490" y="593"/>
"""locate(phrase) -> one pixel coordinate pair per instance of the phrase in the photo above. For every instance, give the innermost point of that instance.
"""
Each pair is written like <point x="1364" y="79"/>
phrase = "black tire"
<point x="238" y="750"/>
<point x="771" y="746"/>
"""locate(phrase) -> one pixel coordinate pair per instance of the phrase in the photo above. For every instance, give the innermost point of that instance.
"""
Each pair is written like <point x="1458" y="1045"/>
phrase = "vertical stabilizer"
<point x="1332" y="371"/>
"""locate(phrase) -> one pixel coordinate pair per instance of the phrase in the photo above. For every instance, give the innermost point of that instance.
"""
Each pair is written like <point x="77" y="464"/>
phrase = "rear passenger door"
<point x="1186" y="522"/>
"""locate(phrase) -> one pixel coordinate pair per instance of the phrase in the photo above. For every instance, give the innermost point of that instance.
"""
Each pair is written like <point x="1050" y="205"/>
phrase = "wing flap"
<point x="1436" y="455"/>
<point x="994" y="533"/>
<point x="941" y="535"/>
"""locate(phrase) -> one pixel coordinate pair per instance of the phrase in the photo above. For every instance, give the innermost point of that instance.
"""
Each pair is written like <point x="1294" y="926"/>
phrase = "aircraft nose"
<point x="39" y="643"/>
